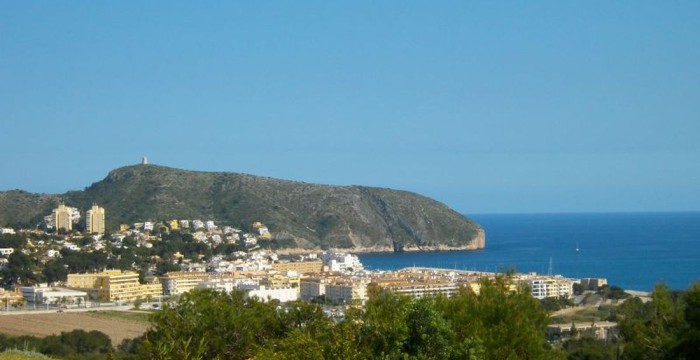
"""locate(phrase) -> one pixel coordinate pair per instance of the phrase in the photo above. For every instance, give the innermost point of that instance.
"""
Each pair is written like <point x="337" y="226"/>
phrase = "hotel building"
<point x="114" y="286"/>
<point x="175" y="283"/>
<point x="302" y="267"/>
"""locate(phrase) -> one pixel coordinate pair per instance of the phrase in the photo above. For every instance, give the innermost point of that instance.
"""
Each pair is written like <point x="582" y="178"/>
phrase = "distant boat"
<point x="577" y="246"/>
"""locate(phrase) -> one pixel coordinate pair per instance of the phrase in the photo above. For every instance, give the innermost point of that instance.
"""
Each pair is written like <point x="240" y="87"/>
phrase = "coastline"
<point x="476" y="243"/>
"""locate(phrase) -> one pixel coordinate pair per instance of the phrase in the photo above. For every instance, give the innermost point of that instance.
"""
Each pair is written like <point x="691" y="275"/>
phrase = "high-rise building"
<point x="63" y="218"/>
<point x="95" y="220"/>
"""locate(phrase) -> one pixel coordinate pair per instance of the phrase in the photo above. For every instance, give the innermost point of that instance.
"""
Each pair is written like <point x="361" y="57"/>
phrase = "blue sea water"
<point x="632" y="250"/>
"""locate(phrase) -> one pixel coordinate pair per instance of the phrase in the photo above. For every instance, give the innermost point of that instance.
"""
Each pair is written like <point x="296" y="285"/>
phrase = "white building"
<point x="554" y="287"/>
<point x="350" y="292"/>
<point x="220" y="266"/>
<point x="266" y="294"/>
<point x="200" y="236"/>
<point x="229" y="230"/>
<point x="118" y="237"/>
<point x="341" y="262"/>
<point x="312" y="288"/>
<point x="52" y="253"/>
<point x="7" y="231"/>
<point x="48" y="295"/>
<point x="210" y="225"/>
<point x="250" y="240"/>
<point x="6" y="251"/>
<point x="226" y="284"/>
<point x="263" y="231"/>
<point x="197" y="224"/>
<point x="175" y="283"/>
<point x="70" y="246"/>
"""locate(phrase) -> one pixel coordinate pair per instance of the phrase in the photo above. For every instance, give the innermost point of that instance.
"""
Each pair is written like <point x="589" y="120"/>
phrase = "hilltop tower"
<point x="144" y="161"/>
<point x="95" y="220"/>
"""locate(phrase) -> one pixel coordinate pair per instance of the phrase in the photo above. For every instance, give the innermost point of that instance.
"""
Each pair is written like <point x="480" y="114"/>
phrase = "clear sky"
<point x="487" y="106"/>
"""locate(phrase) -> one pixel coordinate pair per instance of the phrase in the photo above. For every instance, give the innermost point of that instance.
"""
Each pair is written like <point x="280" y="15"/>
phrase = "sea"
<point x="635" y="251"/>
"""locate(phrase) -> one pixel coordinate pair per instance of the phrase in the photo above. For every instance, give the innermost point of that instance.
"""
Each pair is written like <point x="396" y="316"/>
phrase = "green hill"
<point x="315" y="216"/>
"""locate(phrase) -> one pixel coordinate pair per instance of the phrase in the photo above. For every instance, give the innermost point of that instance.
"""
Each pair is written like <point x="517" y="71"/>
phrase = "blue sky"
<point x="490" y="107"/>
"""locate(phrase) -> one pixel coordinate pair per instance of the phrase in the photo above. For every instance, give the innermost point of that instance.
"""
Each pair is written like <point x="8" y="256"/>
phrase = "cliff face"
<point x="315" y="216"/>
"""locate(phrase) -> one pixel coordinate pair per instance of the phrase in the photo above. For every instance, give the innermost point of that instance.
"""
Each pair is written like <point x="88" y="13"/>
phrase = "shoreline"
<point x="379" y="250"/>
<point x="475" y="244"/>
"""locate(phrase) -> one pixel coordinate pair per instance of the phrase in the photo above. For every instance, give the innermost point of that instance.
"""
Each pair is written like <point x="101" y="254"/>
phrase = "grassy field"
<point x="140" y="316"/>
<point x="125" y="325"/>
<point x="581" y="314"/>
<point x="22" y="355"/>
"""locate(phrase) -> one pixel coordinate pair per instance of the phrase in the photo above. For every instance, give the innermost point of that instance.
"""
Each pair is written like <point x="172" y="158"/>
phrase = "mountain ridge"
<point x="314" y="216"/>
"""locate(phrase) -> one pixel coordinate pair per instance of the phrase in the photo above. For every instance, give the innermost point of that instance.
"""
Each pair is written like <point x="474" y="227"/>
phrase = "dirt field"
<point x="53" y="323"/>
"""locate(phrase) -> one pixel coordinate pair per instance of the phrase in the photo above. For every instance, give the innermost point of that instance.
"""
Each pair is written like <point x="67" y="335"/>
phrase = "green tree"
<point x="137" y="303"/>
<point x="505" y="322"/>
<point x="297" y="345"/>
<point x="574" y="332"/>
<point x="77" y="342"/>
<point x="15" y="241"/>
<point x="384" y="330"/>
<point x="55" y="270"/>
<point x="165" y="266"/>
<point x="551" y="304"/>
<point x="186" y="329"/>
<point x="648" y="330"/>
<point x="303" y="315"/>
<point x="310" y="334"/>
<point x="588" y="348"/>
<point x="687" y="345"/>
<point x="429" y="334"/>
<point x="499" y="323"/>
<point x="81" y="262"/>
<point x="21" y="270"/>
<point x="612" y="292"/>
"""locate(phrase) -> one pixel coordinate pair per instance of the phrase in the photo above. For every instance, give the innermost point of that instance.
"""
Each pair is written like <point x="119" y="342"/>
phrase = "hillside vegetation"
<point x="314" y="216"/>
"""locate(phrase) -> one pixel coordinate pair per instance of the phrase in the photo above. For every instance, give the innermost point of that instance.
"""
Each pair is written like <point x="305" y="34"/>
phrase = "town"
<point x="72" y="262"/>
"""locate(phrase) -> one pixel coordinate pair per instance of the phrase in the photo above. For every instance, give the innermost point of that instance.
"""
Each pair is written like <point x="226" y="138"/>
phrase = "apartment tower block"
<point x="95" y="220"/>
<point x="63" y="218"/>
